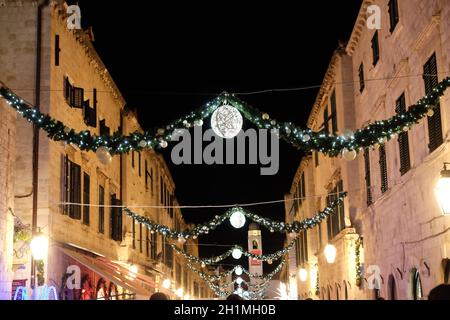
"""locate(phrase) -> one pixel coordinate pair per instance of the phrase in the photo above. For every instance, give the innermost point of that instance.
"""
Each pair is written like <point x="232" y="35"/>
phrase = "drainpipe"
<point x="37" y="100"/>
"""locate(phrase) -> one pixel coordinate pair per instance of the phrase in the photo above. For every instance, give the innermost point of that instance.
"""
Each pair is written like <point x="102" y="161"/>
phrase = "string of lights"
<point x="347" y="145"/>
<point x="237" y="219"/>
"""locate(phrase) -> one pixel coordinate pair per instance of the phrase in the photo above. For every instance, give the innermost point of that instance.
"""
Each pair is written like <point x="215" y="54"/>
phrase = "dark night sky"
<point x="167" y="60"/>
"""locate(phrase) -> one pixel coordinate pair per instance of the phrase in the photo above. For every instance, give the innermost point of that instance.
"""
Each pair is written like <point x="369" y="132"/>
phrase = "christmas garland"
<point x="213" y="260"/>
<point x="347" y="144"/>
<point x="282" y="227"/>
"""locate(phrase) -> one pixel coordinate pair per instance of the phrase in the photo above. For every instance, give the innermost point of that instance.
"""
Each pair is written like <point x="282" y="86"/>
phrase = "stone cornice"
<point x="360" y="25"/>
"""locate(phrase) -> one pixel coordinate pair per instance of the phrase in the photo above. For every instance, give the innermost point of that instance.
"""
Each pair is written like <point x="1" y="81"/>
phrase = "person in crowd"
<point x="101" y="290"/>
<point x="87" y="292"/>
<point x="441" y="292"/>
<point x="234" y="296"/>
<point x="159" y="296"/>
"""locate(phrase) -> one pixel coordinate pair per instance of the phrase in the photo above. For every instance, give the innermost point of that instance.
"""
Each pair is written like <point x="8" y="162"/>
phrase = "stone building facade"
<point x="59" y="70"/>
<point x="393" y="241"/>
<point x="7" y="149"/>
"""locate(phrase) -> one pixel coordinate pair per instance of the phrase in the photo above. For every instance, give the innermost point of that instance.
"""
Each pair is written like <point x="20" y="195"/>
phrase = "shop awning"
<point x="141" y="285"/>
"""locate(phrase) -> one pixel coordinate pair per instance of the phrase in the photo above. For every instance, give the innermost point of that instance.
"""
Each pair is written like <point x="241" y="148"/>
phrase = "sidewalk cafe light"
<point x="330" y="253"/>
<point x="39" y="246"/>
<point x="443" y="190"/>
<point x="303" y="274"/>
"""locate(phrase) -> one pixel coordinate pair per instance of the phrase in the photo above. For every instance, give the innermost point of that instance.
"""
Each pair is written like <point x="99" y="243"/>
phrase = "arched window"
<point x="328" y="293"/>
<point x="255" y="244"/>
<point x="337" y="291"/>
<point x="345" y="290"/>
<point x="446" y="270"/>
<point x="417" y="292"/>
<point x="392" y="288"/>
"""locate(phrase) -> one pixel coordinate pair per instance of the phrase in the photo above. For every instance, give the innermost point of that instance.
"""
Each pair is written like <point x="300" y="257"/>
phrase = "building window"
<point x="132" y="158"/>
<point x="336" y="220"/>
<point x="392" y="288"/>
<point x="316" y="158"/>
<point x="334" y="123"/>
<point x="133" y="227"/>
<point x="393" y="14"/>
<point x="115" y="221"/>
<point x="86" y="198"/>
<point x="375" y="49"/>
<point x="90" y="114"/>
<point x="185" y="280"/>
<point x="72" y="189"/>
<point x="57" y="49"/>
<point x="367" y="177"/>
<point x="196" y="290"/>
<point x="104" y="129"/>
<point x="74" y="96"/>
<point x="325" y="120"/>
<point x="430" y="78"/>
<point x="140" y="237"/>
<point x="147" y="244"/>
<point x="178" y="274"/>
<point x="146" y="175"/>
<point x="383" y="170"/>
<point x="302" y="249"/>
<point x="161" y="190"/>
<point x="255" y="245"/>
<point x="101" y="209"/>
<point x="446" y="270"/>
<point x="154" y="247"/>
<point x="362" y="83"/>
<point x="403" y="141"/>
<point x="139" y="163"/>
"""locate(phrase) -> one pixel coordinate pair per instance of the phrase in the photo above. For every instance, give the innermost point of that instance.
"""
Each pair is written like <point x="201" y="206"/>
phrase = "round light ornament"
<point x="237" y="219"/>
<point x="239" y="281"/>
<point x="103" y="155"/>
<point x="349" y="155"/>
<point x="430" y="112"/>
<point x="238" y="271"/>
<point x="226" y="122"/>
<point x="236" y="253"/>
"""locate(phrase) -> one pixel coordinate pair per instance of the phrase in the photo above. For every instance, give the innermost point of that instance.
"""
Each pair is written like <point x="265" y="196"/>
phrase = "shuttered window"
<point x="147" y="242"/>
<point x="362" y="83"/>
<point x="101" y="209"/>
<point x="90" y="113"/>
<point x="430" y="78"/>
<point x="86" y="198"/>
<point x="133" y="227"/>
<point x="154" y="247"/>
<point x="375" y="49"/>
<point x="72" y="189"/>
<point x="336" y="220"/>
<point x="132" y="158"/>
<point x="302" y="248"/>
<point x="393" y="14"/>
<point x="403" y="141"/>
<point x="316" y="158"/>
<point x="57" y="49"/>
<point x="140" y="237"/>
<point x="115" y="221"/>
<point x="325" y="120"/>
<point x="367" y="177"/>
<point x="383" y="170"/>
<point x="104" y="129"/>
<point x="334" y="122"/>
<point x="139" y="163"/>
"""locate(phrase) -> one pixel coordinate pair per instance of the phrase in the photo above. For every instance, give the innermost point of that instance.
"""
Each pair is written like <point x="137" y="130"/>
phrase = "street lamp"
<point x="303" y="274"/>
<point x="166" y="283"/>
<point x="39" y="246"/>
<point x="443" y="190"/>
<point x="330" y="253"/>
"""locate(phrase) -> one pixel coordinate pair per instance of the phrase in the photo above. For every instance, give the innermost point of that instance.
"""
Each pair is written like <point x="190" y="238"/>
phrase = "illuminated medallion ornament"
<point x="226" y="122"/>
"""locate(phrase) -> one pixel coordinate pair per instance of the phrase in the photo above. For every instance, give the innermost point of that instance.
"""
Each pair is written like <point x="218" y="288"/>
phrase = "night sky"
<point x="168" y="60"/>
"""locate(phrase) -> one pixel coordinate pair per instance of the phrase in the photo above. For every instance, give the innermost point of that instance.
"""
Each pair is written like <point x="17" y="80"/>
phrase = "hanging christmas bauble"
<point x="349" y="155"/>
<point x="103" y="155"/>
<point x="181" y="240"/>
<point x="226" y="122"/>
<point x="142" y="143"/>
<point x="238" y="271"/>
<point x="236" y="253"/>
<point x="237" y="219"/>
<point x="430" y="113"/>
<point x="306" y="137"/>
<point x="239" y="281"/>
<point x="198" y="123"/>
<point x="265" y="116"/>
<point x="160" y="131"/>
<point x="163" y="144"/>
<point x="67" y="130"/>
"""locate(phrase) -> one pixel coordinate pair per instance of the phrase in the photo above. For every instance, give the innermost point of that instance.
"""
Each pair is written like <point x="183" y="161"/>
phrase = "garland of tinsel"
<point x="358" y="261"/>
<point x="282" y="227"/>
<point x="216" y="259"/>
<point x="373" y="134"/>
<point x="219" y="289"/>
